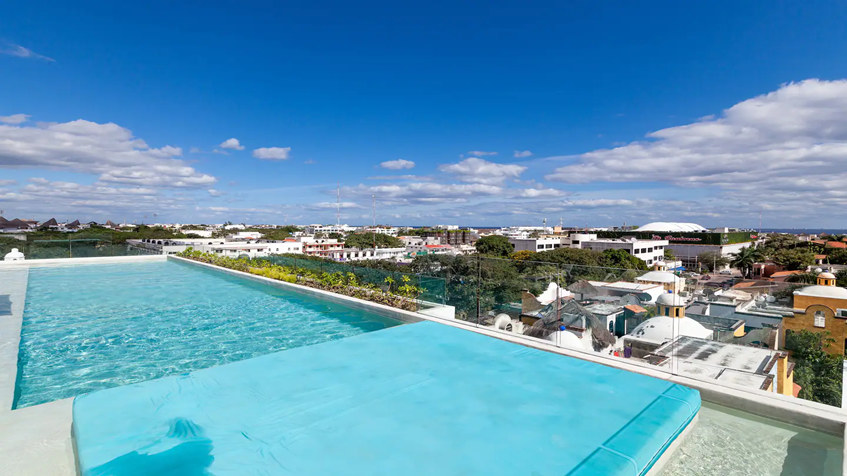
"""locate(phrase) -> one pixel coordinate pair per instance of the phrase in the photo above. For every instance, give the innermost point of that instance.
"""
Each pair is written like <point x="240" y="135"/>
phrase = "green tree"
<point x="494" y="245"/>
<point x="841" y="278"/>
<point x="804" y="278"/>
<point x="819" y="373"/>
<point x="670" y="255"/>
<point x="712" y="260"/>
<point x="745" y="259"/>
<point x="366" y="240"/>
<point x="621" y="259"/>
<point x="577" y="256"/>
<point x="836" y="256"/>
<point x="794" y="259"/>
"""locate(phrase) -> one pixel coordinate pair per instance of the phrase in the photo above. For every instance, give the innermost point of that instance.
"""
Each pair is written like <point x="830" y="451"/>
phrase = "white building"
<point x="201" y="233"/>
<point x="649" y="251"/>
<point x="327" y="229"/>
<point x="446" y="227"/>
<point x="535" y="244"/>
<point x="245" y="235"/>
<point x="575" y="240"/>
<point x="381" y="230"/>
<point x="432" y="249"/>
<point x="356" y="254"/>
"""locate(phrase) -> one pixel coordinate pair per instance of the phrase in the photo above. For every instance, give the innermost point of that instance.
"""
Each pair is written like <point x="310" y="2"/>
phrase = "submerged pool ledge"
<point x="12" y="302"/>
<point x="418" y="399"/>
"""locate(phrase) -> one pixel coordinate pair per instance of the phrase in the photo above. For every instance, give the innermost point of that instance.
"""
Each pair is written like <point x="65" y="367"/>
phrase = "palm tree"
<point x="745" y="259"/>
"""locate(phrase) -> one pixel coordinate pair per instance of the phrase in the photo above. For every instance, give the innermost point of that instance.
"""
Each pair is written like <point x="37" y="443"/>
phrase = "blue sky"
<point x="598" y="114"/>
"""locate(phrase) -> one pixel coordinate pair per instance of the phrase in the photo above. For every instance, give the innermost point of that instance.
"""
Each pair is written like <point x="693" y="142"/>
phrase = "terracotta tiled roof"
<point x="818" y="242"/>
<point x="835" y="244"/>
<point x="781" y="274"/>
<point x="745" y="284"/>
<point x="796" y="390"/>
<point x="635" y="308"/>
<point x="820" y="256"/>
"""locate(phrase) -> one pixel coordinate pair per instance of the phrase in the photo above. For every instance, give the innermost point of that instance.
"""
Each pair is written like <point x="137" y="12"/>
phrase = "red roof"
<point x="819" y="242"/>
<point x="635" y="308"/>
<point x="781" y="274"/>
<point x="437" y="246"/>
<point x="835" y="244"/>
<point x="820" y="256"/>
<point x="745" y="284"/>
<point x="796" y="390"/>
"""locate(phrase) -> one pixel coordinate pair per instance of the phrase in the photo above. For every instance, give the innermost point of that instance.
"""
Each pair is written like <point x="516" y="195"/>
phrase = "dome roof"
<point x="670" y="299"/>
<point x="822" y="291"/>
<point x="662" y="329"/>
<point x="658" y="277"/>
<point x="826" y="276"/>
<point x="567" y="339"/>
<point x="662" y="226"/>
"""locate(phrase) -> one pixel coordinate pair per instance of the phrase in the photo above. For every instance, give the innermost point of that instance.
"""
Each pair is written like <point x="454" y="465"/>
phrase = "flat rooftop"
<point x="418" y="399"/>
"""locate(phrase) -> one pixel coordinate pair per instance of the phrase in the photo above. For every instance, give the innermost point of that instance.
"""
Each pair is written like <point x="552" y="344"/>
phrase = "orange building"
<point x="821" y="308"/>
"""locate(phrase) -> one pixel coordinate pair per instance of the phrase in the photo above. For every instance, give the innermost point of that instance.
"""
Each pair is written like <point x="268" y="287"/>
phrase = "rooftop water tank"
<point x="14" y="255"/>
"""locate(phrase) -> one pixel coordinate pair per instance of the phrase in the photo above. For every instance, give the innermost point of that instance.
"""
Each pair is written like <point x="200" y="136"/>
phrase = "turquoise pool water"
<point x="92" y="327"/>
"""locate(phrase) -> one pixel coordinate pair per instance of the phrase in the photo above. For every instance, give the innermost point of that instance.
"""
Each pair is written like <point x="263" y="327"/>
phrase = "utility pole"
<point x="374" y="225"/>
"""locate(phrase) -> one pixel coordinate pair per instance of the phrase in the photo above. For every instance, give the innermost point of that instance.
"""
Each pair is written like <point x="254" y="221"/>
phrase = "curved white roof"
<point x="662" y="329"/>
<point x="658" y="277"/>
<point x="669" y="299"/>
<point x="826" y="276"/>
<point x="662" y="226"/>
<point x="822" y="291"/>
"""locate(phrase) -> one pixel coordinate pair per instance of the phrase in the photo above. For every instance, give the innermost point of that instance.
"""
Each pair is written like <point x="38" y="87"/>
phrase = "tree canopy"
<point x="712" y="260"/>
<point x="366" y="240"/>
<point x="494" y="245"/>
<point x="818" y="372"/>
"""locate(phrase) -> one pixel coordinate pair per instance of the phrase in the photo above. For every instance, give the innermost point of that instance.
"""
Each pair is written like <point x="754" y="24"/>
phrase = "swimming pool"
<point x="91" y="327"/>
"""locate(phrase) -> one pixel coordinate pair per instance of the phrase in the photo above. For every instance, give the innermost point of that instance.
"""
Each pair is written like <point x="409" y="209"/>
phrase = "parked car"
<point x="727" y="272"/>
<point x="705" y="277"/>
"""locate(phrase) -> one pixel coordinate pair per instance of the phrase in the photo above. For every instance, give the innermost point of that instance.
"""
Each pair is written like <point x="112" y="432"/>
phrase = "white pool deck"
<point x="37" y="440"/>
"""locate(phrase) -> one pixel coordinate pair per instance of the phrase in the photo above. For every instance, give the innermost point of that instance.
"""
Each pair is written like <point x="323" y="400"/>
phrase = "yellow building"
<point x="818" y="308"/>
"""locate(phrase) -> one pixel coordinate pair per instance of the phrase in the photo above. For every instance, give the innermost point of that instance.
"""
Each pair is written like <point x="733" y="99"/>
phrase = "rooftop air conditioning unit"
<point x="842" y="313"/>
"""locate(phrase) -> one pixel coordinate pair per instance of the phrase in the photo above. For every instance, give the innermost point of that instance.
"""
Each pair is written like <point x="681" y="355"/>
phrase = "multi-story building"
<point x="356" y="254"/>
<point x="320" y="246"/>
<point x="821" y="308"/>
<point x="649" y="251"/>
<point x="535" y="244"/>
<point x="379" y="229"/>
<point x="327" y="229"/>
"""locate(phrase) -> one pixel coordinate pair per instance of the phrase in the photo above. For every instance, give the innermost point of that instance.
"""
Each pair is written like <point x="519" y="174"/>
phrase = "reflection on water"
<point x="726" y="442"/>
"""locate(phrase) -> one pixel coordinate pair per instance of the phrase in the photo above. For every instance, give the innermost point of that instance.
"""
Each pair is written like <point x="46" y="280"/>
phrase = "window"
<point x="575" y="242"/>
<point x="667" y="311"/>
<point x="820" y="319"/>
<point x="649" y="261"/>
<point x="649" y="250"/>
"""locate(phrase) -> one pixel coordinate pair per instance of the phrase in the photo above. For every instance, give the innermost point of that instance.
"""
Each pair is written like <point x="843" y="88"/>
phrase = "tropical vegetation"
<point x="816" y="371"/>
<point x="394" y="289"/>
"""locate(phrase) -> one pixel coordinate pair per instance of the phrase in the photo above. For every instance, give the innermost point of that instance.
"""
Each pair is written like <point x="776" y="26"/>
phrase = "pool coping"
<point x="10" y="335"/>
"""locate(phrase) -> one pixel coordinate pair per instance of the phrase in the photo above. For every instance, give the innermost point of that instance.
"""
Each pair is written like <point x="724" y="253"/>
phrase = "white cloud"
<point x="21" y="52"/>
<point x="218" y="151"/>
<point x="5" y="182"/>
<point x="521" y="154"/>
<point x="272" y="153"/>
<point x="540" y="192"/>
<point x="598" y="203"/>
<point x="195" y="150"/>
<point x="15" y="119"/>
<point x="332" y="205"/>
<point x="398" y="164"/>
<point x="779" y="149"/>
<point x="481" y="153"/>
<point x="105" y="149"/>
<point x="422" y="178"/>
<point x="231" y="144"/>
<point x="215" y="193"/>
<point x="476" y="170"/>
